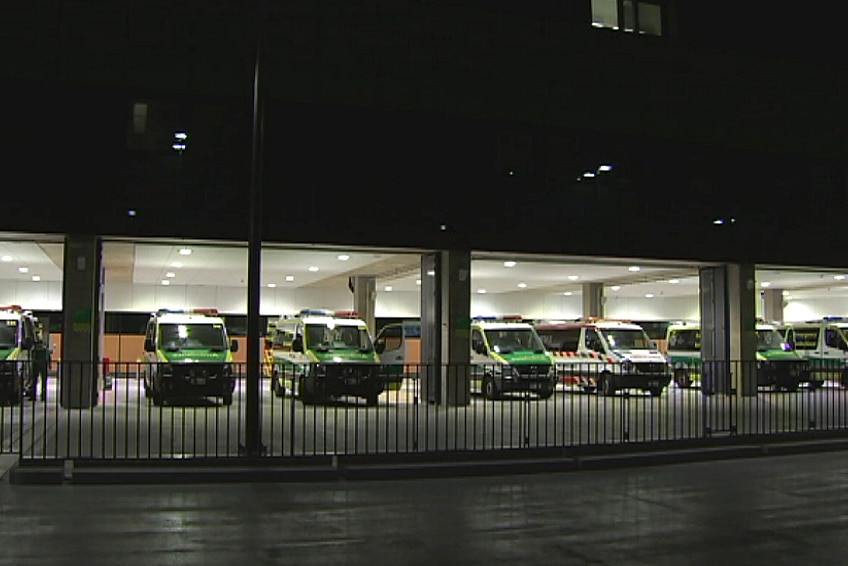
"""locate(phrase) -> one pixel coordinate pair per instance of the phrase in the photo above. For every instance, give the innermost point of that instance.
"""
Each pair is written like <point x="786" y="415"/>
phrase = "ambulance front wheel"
<point x="681" y="378"/>
<point x="227" y="399"/>
<point x="277" y="386"/>
<point x="490" y="388"/>
<point x="607" y="386"/>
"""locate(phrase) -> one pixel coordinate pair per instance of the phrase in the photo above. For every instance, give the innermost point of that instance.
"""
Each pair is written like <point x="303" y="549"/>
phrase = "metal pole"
<point x="253" y="418"/>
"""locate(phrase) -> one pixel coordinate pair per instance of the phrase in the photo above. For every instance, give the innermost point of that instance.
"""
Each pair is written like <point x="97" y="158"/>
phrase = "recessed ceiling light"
<point x="785" y="293"/>
<point x="588" y="174"/>
<point x="674" y="281"/>
<point x="765" y="284"/>
<point x="185" y="251"/>
<point x="568" y="293"/>
<point x="634" y="268"/>
<point x="616" y="287"/>
<point x="649" y="295"/>
<point x="313" y="268"/>
<point x="573" y="277"/>
<point x="837" y="277"/>
<point x="166" y="282"/>
<point x="176" y="264"/>
<point x="522" y="285"/>
<point x="170" y="274"/>
<point x="481" y="291"/>
<point x="431" y="272"/>
<point x="289" y="277"/>
<point x="605" y="168"/>
<point x="344" y="257"/>
<point x="131" y="212"/>
<point x="388" y="288"/>
<point x="23" y="269"/>
<point x="6" y="258"/>
<point x="271" y="285"/>
<point x="418" y="282"/>
<point x="36" y="278"/>
<point x="510" y="263"/>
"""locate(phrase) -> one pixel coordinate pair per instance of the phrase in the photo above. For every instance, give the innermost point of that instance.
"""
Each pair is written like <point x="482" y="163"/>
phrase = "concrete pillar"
<point x="446" y="326"/>
<point x="593" y="300"/>
<point x="82" y="330"/>
<point x="364" y="289"/>
<point x="728" y="329"/>
<point x="773" y="305"/>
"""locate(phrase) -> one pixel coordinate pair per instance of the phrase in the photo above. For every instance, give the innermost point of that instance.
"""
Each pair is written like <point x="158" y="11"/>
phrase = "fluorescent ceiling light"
<point x="344" y="257"/>
<point x="573" y="277"/>
<point x="6" y="258"/>
<point x="313" y="268"/>
<point x="289" y="277"/>
<point x="634" y="268"/>
<point x="510" y="263"/>
<point x="185" y="251"/>
<point x="23" y="269"/>
<point x="272" y="285"/>
<point x="522" y="285"/>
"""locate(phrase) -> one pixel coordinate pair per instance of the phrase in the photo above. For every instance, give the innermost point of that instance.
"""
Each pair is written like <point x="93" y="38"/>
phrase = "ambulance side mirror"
<point x="148" y="345"/>
<point x="380" y="346"/>
<point x="234" y="345"/>
<point x="27" y="343"/>
<point x="297" y="344"/>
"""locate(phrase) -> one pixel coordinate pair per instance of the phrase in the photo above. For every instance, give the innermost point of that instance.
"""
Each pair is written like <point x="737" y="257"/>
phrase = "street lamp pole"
<point x="253" y="419"/>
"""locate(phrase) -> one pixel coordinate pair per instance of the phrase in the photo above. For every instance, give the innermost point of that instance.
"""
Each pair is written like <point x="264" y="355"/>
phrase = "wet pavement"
<point x="775" y="509"/>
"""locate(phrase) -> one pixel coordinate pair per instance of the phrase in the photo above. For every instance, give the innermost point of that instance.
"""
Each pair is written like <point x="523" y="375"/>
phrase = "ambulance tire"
<point x="372" y="399"/>
<point x="277" y="386"/>
<point x="546" y="394"/>
<point x="490" y="388"/>
<point x="158" y="398"/>
<point x="227" y="399"/>
<point x="607" y="386"/>
<point x="655" y="391"/>
<point x="306" y="397"/>
<point x="681" y="378"/>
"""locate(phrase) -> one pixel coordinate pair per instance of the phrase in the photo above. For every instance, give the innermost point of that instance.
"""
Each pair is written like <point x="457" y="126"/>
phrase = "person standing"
<point x="40" y="365"/>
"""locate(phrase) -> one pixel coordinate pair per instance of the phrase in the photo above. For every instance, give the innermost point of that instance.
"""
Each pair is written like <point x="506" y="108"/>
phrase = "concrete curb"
<point x="363" y="468"/>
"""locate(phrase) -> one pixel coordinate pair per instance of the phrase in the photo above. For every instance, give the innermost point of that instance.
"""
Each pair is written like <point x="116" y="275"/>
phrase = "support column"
<point x="446" y="326"/>
<point x="82" y="328"/>
<point x="728" y="329"/>
<point x="364" y="289"/>
<point x="773" y="305"/>
<point x="593" y="300"/>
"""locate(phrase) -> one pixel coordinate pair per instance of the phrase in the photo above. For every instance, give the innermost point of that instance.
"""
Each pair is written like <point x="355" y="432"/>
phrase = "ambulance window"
<point x="391" y="337"/>
<point x="8" y="333"/>
<point x="806" y="338"/>
<point x="593" y="340"/>
<point x="477" y="342"/>
<point x="833" y="338"/>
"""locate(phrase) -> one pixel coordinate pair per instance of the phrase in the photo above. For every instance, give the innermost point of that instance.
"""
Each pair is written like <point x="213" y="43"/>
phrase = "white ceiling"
<point x="223" y="264"/>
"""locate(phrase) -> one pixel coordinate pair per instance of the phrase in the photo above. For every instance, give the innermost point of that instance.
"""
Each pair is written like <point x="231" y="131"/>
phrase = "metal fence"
<point x="106" y="413"/>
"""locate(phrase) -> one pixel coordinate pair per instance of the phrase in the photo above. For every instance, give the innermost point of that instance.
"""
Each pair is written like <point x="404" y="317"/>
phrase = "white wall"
<point x="396" y="304"/>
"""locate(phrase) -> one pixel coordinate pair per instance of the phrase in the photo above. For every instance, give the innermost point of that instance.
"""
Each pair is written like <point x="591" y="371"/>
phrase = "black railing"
<point x="109" y="413"/>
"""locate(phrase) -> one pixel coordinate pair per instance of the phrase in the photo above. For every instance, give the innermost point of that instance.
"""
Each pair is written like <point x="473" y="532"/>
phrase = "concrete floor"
<point x="769" y="510"/>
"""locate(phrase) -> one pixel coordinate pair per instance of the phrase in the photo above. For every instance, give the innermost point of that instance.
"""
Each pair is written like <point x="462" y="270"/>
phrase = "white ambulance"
<point x="606" y="355"/>
<point x="824" y="344"/>
<point x="320" y="354"/>
<point x="187" y="354"/>
<point x="17" y="338"/>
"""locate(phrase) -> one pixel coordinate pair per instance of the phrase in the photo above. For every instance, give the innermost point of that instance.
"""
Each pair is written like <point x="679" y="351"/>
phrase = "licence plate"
<point x="198" y="380"/>
<point x="653" y="383"/>
<point x="535" y="386"/>
<point x="351" y="381"/>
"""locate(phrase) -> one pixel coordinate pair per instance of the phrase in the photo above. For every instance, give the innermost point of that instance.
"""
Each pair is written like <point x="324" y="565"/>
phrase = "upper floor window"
<point x="628" y="15"/>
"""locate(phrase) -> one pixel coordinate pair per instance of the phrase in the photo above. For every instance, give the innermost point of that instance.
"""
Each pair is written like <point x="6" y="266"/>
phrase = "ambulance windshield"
<point x="507" y="341"/>
<point x="192" y="336"/>
<point x="328" y="337"/>
<point x="627" y="339"/>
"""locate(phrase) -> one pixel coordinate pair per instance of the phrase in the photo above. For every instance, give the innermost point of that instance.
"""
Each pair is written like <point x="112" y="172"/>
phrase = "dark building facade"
<point x="506" y="126"/>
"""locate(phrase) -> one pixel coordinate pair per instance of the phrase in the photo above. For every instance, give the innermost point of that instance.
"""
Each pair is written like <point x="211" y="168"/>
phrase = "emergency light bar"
<point x="346" y="314"/>
<point x="315" y="312"/>
<point x="206" y="311"/>
<point x="15" y="308"/>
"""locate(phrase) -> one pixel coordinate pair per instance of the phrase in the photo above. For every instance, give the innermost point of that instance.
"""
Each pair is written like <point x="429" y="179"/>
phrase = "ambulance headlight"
<point x="167" y="370"/>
